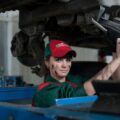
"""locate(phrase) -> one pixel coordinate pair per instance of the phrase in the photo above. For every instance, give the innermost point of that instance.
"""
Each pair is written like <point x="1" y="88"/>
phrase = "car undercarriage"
<point x="69" y="20"/>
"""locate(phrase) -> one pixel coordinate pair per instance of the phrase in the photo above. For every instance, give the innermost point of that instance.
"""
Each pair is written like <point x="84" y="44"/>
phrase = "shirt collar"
<point x="51" y="79"/>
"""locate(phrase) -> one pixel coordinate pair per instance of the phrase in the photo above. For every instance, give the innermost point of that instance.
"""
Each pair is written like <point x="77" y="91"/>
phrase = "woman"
<point x="58" y="60"/>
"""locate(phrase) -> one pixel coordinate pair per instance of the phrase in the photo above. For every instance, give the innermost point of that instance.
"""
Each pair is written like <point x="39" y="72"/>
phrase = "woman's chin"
<point x="63" y="75"/>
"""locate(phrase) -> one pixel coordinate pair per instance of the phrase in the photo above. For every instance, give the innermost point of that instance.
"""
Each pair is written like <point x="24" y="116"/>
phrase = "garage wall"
<point x="86" y="54"/>
<point x="7" y="24"/>
<point x="3" y="26"/>
<point x="109" y="2"/>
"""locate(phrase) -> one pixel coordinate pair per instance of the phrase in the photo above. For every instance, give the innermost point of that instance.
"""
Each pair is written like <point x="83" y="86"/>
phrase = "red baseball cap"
<point x="58" y="48"/>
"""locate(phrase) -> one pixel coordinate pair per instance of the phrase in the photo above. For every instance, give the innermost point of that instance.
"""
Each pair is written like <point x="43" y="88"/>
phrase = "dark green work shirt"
<point x="52" y="89"/>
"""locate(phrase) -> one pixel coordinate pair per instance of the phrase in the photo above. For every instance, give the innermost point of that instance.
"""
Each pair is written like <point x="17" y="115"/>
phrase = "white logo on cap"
<point x="61" y="45"/>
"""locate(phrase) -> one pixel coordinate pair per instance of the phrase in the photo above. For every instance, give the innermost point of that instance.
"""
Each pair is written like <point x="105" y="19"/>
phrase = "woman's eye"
<point x="68" y="59"/>
<point x="57" y="59"/>
<point x="60" y="59"/>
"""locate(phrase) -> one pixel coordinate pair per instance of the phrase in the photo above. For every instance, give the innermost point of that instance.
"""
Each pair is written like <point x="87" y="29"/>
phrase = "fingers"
<point x="118" y="40"/>
<point x="118" y="47"/>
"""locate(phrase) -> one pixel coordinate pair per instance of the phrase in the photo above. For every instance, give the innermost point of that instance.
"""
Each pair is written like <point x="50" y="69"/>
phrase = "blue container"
<point x="10" y="81"/>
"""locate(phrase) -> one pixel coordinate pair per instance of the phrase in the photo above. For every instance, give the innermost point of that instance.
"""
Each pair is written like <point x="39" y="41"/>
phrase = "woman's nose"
<point x="64" y="62"/>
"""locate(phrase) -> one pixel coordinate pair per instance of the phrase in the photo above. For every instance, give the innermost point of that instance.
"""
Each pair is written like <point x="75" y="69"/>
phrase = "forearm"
<point x="116" y="74"/>
<point x="104" y="74"/>
<point x="107" y="72"/>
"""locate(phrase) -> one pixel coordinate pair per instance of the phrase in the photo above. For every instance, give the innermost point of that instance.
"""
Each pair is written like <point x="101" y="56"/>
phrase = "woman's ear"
<point x="47" y="64"/>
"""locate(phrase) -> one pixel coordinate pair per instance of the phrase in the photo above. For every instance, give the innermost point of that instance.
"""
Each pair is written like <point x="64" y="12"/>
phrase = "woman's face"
<point x="59" y="67"/>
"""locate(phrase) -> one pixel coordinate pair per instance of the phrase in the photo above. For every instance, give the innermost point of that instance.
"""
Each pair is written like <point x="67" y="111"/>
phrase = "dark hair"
<point x="46" y="70"/>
